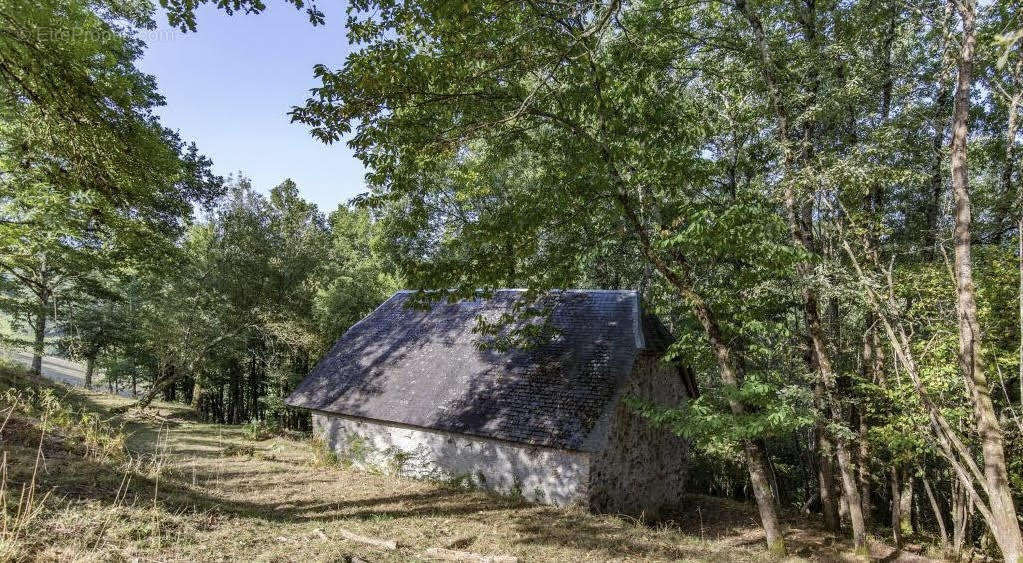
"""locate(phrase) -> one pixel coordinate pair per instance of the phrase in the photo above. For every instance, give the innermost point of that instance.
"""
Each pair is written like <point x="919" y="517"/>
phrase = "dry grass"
<point x="190" y="491"/>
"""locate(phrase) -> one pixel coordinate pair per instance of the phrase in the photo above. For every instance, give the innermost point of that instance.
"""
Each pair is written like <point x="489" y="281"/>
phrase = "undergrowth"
<point x="323" y="454"/>
<point x="101" y="439"/>
<point x="33" y="412"/>
<point x="259" y="430"/>
<point x="74" y="487"/>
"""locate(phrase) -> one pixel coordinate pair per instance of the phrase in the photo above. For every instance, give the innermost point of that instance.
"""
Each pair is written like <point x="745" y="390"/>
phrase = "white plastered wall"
<point x="545" y="475"/>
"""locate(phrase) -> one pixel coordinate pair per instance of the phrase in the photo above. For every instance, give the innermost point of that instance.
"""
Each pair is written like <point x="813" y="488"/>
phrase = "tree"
<point x="355" y="278"/>
<point x="89" y="177"/>
<point x="596" y="123"/>
<point x="266" y="284"/>
<point x="1003" y="521"/>
<point x="735" y="149"/>
<point x="96" y="321"/>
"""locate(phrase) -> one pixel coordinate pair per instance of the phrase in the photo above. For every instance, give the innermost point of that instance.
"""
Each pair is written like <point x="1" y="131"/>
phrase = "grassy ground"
<point x="190" y="491"/>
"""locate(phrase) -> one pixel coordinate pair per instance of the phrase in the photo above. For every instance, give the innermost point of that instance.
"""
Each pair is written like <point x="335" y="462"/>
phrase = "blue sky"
<point x="230" y="85"/>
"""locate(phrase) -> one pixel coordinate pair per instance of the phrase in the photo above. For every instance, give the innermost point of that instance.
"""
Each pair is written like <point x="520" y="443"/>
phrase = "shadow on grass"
<point x="276" y="484"/>
<point x="528" y="526"/>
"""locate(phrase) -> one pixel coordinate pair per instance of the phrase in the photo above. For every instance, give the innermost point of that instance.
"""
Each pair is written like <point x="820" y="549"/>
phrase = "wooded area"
<point x="824" y="200"/>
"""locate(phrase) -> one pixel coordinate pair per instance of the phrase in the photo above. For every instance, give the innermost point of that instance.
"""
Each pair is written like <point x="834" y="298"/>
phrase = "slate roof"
<point x="432" y="368"/>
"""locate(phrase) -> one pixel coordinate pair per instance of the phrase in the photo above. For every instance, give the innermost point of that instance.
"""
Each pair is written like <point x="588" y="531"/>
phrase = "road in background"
<point x="60" y="369"/>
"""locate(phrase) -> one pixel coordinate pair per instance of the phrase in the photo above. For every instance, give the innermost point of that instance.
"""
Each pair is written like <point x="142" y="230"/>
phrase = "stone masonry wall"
<point x="642" y="471"/>
<point x="542" y="475"/>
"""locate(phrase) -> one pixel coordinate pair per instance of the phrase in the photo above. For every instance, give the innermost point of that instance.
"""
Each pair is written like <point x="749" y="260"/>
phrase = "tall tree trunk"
<point x="936" y="182"/>
<point x="863" y="477"/>
<point x="830" y="505"/>
<point x="221" y="408"/>
<point x="756" y="454"/>
<point x="730" y="370"/>
<point x="170" y="374"/>
<point x="236" y="395"/>
<point x="896" y="505"/>
<point x="826" y="480"/>
<point x="802" y="237"/>
<point x="1009" y="164"/>
<point x="1009" y="161"/>
<point x="187" y="388"/>
<point x="197" y="394"/>
<point x="1007" y="170"/>
<point x="1004" y="525"/>
<point x="90" y="368"/>
<point x="962" y="514"/>
<point x="873" y="372"/>
<point x="906" y="502"/>
<point x="39" y="335"/>
<point x="939" y="122"/>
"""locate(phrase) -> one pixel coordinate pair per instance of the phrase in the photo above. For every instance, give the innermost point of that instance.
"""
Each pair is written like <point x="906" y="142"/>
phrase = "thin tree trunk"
<point x="863" y="477"/>
<point x="197" y="394"/>
<point x="1004" y="525"/>
<point x="962" y="512"/>
<point x="939" y="121"/>
<point x="830" y="509"/>
<point x="826" y="481"/>
<point x="236" y="398"/>
<point x="90" y="368"/>
<point x="221" y="409"/>
<point x="39" y="340"/>
<point x="170" y="390"/>
<point x="802" y="237"/>
<point x="906" y="503"/>
<point x="1010" y="163"/>
<point x="730" y="371"/>
<point x="937" y="178"/>
<point x="1011" y="130"/>
<point x="896" y="506"/>
<point x="936" y="509"/>
<point x="915" y="512"/>
<point x="873" y="372"/>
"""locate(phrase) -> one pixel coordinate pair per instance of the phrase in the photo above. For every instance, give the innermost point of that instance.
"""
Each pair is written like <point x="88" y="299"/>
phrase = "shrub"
<point x="323" y="455"/>
<point x="259" y="430"/>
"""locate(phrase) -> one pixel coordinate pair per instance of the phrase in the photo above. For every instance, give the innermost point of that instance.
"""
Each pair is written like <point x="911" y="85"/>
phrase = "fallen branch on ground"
<point x="389" y="545"/>
<point x="442" y="554"/>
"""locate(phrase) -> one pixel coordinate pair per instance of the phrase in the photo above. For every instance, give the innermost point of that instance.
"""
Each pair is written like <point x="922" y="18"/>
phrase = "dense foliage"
<point x="261" y="288"/>
<point x="787" y="184"/>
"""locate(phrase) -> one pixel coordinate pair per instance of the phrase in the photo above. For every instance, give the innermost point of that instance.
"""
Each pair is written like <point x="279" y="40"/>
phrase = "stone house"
<point x="424" y="392"/>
